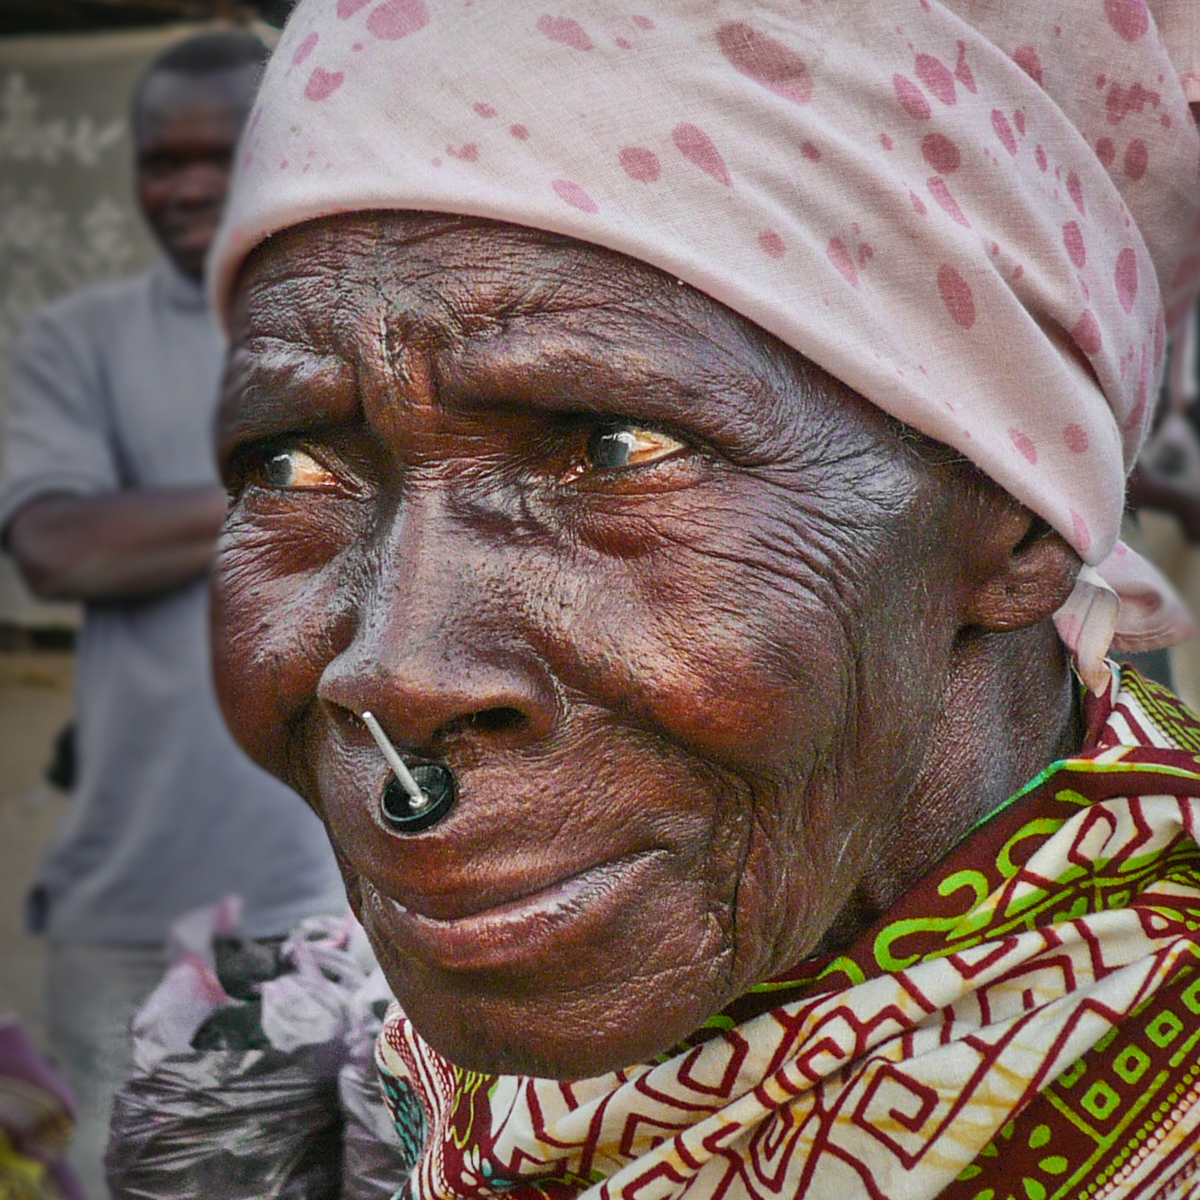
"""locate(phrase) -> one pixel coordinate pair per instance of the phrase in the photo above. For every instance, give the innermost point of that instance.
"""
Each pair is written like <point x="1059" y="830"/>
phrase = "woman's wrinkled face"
<point x="666" y="599"/>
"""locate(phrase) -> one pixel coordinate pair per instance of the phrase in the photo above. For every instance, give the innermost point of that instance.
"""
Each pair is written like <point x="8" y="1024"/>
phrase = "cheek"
<point x="762" y="684"/>
<point x="732" y="639"/>
<point x="152" y="197"/>
<point x="727" y="631"/>
<point x="349" y="805"/>
<point x="282" y="606"/>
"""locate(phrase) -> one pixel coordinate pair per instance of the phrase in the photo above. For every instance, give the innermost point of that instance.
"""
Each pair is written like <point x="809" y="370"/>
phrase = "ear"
<point x="1022" y="570"/>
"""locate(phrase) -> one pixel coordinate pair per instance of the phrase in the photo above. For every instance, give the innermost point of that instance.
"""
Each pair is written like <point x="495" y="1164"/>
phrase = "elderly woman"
<point x="682" y="427"/>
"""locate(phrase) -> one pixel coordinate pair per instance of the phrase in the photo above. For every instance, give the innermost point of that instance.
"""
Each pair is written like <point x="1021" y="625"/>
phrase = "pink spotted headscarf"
<point x="982" y="215"/>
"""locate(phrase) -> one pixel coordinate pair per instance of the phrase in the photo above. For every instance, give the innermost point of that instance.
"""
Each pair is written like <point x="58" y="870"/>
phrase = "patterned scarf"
<point x="1025" y="1023"/>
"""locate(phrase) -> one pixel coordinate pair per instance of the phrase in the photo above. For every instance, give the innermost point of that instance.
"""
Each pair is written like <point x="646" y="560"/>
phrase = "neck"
<point x="1010" y="709"/>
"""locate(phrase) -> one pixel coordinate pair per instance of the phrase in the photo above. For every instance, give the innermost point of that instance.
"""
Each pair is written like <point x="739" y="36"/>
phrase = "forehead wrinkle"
<point x="470" y="275"/>
<point x="554" y="290"/>
<point x="294" y="365"/>
<point x="478" y="263"/>
<point x="451" y="338"/>
<point x="290" y="303"/>
<point x="458" y="311"/>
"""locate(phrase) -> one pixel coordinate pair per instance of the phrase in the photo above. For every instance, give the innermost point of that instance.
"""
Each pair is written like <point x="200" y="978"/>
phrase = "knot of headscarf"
<point x="976" y="213"/>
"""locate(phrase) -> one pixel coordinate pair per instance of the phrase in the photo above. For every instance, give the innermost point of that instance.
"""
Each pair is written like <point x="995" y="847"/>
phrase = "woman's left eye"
<point x="622" y="444"/>
<point x="294" y="470"/>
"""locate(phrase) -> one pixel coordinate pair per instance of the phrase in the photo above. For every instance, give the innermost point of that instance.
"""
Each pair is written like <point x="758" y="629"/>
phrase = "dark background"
<point x="79" y="16"/>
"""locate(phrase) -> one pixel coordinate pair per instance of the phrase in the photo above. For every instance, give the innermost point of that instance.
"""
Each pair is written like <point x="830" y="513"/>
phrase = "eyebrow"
<point x="274" y="386"/>
<point x="580" y="377"/>
<point x="278" y="383"/>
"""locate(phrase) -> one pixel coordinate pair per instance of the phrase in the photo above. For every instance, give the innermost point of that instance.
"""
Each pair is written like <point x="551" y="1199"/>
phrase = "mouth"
<point x="481" y="931"/>
<point x="192" y="227"/>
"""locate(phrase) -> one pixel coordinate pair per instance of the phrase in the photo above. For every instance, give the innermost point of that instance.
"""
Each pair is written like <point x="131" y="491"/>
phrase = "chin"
<point x="550" y="1040"/>
<point x="574" y="1023"/>
<point x="189" y="251"/>
<point x="191" y="265"/>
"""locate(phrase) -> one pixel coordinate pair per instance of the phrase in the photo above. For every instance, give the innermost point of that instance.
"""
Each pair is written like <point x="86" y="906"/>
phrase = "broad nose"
<point x="438" y="654"/>
<point x="200" y="183"/>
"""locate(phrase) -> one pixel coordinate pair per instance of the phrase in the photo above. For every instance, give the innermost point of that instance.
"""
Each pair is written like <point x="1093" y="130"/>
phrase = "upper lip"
<point x="186" y="223"/>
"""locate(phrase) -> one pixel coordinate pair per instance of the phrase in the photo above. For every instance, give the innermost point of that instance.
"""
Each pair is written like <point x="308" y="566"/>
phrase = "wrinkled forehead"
<point x="408" y="255"/>
<point x="474" y="277"/>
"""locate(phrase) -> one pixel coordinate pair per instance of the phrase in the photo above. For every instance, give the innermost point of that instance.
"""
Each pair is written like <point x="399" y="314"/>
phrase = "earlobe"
<point x="1024" y="573"/>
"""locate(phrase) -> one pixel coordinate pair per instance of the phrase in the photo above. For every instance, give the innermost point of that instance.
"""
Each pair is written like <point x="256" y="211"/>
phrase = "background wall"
<point x="67" y="215"/>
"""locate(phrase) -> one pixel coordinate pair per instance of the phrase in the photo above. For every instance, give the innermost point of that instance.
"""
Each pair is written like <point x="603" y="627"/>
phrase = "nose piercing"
<point x="412" y="800"/>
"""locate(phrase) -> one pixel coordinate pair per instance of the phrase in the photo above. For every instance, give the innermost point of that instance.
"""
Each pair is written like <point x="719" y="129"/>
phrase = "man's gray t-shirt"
<point x="115" y="387"/>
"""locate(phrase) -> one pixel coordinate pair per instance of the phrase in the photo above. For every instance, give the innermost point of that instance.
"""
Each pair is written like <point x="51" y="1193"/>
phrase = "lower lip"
<point x="196" y="227"/>
<point x="513" y="934"/>
<point x="193" y="237"/>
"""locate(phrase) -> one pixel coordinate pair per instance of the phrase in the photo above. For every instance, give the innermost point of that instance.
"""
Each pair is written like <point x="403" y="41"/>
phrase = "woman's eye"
<point x="294" y="469"/>
<point x="611" y="447"/>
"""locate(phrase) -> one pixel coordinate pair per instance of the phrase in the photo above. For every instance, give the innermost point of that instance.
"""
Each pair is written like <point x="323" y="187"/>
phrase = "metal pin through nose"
<point x="412" y="800"/>
<point x="416" y="797"/>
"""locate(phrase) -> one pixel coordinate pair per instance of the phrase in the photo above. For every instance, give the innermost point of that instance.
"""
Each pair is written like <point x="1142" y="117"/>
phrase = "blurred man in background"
<point x="109" y="496"/>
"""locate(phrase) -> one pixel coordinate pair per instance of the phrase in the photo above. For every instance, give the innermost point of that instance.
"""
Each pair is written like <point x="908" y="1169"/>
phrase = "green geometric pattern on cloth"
<point x="1083" y="1134"/>
<point x="1087" y="1132"/>
<point x="1166" y="711"/>
<point x="1104" y="1111"/>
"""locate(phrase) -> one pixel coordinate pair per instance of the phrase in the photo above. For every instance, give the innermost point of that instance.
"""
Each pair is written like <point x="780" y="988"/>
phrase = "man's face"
<point x="185" y="130"/>
<point x="669" y="608"/>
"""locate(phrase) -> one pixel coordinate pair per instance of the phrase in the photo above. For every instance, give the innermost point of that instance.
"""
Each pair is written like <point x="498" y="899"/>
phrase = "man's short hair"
<point x="206" y="54"/>
<point x="217" y="50"/>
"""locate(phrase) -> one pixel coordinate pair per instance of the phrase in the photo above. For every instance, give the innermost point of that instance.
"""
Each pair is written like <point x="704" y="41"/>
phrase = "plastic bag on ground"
<point x="305" y="1008"/>
<point x="187" y="996"/>
<point x="252" y="1125"/>
<point x="195" y="931"/>
<point x="216" y="1110"/>
<point x="337" y="945"/>
<point x="256" y="1076"/>
<point x="190" y="992"/>
<point x="374" y="1166"/>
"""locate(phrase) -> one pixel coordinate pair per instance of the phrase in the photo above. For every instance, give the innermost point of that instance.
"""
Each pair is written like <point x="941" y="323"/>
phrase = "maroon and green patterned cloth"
<point x="1025" y="1024"/>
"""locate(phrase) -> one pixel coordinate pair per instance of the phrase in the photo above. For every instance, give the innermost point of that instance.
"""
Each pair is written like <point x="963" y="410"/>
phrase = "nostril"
<point x="489" y="720"/>
<point x="497" y="720"/>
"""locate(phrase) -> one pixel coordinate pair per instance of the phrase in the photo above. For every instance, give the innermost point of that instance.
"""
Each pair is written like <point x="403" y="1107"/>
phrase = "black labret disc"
<point x="437" y="785"/>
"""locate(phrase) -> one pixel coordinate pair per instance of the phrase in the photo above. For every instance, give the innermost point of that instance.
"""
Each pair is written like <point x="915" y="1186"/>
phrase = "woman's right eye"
<point x="292" y="469"/>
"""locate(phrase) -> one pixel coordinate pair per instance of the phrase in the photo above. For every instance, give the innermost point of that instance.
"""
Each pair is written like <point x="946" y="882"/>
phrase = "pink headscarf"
<point x="982" y="215"/>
